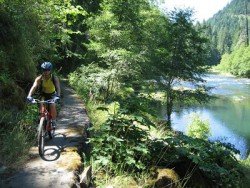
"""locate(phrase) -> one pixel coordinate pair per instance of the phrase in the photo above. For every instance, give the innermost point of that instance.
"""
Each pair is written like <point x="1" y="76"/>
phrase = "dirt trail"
<point x="61" y="163"/>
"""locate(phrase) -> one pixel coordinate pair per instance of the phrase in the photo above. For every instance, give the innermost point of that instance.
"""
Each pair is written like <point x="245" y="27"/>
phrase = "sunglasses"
<point x="44" y="70"/>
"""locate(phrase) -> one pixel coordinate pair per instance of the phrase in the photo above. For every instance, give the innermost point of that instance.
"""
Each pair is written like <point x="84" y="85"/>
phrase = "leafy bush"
<point x="123" y="144"/>
<point x="199" y="157"/>
<point x="198" y="128"/>
<point x="120" y="143"/>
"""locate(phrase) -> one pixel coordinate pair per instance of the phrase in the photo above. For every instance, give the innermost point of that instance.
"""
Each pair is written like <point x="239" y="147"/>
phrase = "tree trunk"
<point x="247" y="35"/>
<point x="169" y="106"/>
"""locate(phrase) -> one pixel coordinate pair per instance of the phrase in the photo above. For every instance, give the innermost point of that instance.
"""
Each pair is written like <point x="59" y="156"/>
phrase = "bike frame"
<point x="45" y="124"/>
<point x="46" y="114"/>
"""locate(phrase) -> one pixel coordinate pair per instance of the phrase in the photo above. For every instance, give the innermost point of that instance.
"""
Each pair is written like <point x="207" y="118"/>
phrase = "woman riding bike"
<point x="49" y="88"/>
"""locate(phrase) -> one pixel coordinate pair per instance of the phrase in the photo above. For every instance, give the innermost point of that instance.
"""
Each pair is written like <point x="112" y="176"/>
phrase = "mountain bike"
<point x="45" y="128"/>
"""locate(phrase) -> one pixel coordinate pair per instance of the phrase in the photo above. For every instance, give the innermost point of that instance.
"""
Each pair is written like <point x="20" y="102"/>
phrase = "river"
<point x="228" y="116"/>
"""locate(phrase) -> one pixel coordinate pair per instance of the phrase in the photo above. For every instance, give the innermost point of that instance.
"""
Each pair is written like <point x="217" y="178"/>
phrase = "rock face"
<point x="167" y="178"/>
<point x="62" y="163"/>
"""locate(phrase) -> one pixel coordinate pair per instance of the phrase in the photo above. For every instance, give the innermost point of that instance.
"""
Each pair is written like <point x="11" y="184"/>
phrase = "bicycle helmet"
<point x="46" y="66"/>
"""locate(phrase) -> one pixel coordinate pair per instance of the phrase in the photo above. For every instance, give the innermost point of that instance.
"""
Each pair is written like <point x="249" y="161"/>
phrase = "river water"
<point x="228" y="116"/>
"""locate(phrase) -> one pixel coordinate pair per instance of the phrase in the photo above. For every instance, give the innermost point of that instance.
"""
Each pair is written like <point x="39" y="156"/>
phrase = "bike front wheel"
<point x="41" y="136"/>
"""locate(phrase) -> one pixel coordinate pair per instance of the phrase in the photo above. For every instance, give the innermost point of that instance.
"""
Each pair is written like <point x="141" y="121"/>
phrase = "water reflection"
<point x="228" y="115"/>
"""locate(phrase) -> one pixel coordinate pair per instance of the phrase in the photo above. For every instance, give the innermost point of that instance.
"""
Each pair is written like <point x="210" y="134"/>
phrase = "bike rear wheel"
<point x="41" y="136"/>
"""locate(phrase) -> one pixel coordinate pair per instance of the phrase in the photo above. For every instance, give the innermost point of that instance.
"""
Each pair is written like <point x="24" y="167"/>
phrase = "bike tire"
<point x="41" y="136"/>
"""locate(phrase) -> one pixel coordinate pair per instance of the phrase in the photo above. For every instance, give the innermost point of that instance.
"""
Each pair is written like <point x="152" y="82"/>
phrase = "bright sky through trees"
<point x="203" y="9"/>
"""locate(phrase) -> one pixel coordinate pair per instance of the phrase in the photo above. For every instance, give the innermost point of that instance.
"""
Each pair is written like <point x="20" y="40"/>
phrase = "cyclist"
<point x="49" y="88"/>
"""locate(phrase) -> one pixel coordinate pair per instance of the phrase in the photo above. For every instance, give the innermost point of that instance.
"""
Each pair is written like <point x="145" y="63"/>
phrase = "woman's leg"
<point x="41" y="109"/>
<point x="53" y="111"/>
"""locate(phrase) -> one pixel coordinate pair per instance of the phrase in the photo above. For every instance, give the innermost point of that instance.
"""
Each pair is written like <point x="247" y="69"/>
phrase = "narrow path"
<point x="62" y="161"/>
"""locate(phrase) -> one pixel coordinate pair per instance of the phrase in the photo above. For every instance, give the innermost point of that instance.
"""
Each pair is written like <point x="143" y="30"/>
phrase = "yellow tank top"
<point x="48" y="85"/>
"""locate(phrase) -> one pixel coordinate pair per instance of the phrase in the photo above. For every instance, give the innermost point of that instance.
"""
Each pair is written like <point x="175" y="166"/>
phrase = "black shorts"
<point x="47" y="96"/>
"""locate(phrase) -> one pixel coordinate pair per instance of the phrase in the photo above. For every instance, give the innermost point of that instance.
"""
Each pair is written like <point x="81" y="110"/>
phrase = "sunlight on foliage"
<point x="236" y="63"/>
<point x="157" y="133"/>
<point x="198" y="128"/>
<point x="122" y="181"/>
<point x="120" y="134"/>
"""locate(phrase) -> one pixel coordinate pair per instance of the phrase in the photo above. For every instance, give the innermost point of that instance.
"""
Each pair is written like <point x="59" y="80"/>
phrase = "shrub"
<point x="198" y="128"/>
<point x="120" y="144"/>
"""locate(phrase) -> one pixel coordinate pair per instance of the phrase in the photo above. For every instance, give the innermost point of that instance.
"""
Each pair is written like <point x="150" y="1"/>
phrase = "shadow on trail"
<point x="51" y="154"/>
<point x="54" y="147"/>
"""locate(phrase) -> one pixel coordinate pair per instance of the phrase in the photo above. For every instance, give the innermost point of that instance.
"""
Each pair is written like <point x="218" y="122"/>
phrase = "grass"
<point x="15" y="142"/>
<point x="121" y="180"/>
<point x="17" y="136"/>
<point x="75" y="159"/>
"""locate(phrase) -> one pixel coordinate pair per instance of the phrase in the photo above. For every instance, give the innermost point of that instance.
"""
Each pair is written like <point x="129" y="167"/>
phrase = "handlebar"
<point x="50" y="101"/>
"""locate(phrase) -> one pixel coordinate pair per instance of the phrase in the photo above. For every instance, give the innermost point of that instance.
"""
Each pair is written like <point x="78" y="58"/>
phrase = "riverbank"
<point x="214" y="70"/>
